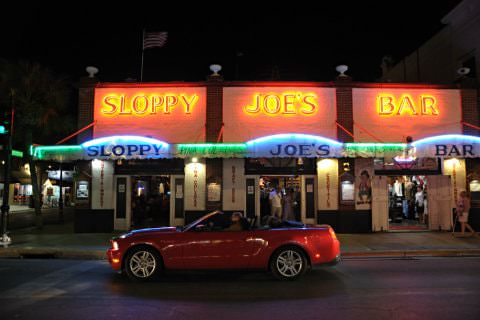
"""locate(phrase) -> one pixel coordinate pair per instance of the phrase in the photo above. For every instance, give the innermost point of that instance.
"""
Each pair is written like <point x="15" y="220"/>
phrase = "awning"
<point x="274" y="146"/>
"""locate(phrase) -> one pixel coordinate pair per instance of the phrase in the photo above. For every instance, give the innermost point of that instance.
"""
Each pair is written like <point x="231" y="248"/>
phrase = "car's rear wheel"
<point x="288" y="263"/>
<point x="142" y="263"/>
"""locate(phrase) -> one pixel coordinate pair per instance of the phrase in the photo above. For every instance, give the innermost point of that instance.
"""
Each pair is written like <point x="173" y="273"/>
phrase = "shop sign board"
<point x="287" y="145"/>
<point x="251" y="112"/>
<point x="125" y="147"/>
<point x="448" y="146"/>
<point x="294" y="145"/>
<point x="391" y="114"/>
<point x="173" y="114"/>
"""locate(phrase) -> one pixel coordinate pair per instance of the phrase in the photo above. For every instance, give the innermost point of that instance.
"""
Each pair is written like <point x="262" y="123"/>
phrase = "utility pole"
<point x="61" y="218"/>
<point x="8" y="126"/>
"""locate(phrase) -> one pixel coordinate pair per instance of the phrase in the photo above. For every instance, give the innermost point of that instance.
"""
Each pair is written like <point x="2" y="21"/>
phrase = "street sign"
<point x="18" y="154"/>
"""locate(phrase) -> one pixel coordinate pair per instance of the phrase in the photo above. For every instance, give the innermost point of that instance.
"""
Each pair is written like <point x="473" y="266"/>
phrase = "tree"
<point x="40" y="99"/>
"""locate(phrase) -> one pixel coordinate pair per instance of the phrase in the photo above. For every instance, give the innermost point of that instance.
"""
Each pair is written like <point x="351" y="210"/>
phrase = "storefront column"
<point x="456" y="169"/>
<point x="327" y="173"/>
<point x="234" y="185"/>
<point x="102" y="205"/>
<point x="327" y="193"/>
<point x="102" y="185"/>
<point x="195" y="189"/>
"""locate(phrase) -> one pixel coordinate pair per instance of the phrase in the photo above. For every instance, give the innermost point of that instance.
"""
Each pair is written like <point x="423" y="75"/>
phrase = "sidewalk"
<point x="408" y="244"/>
<point x="26" y="218"/>
<point x="59" y="241"/>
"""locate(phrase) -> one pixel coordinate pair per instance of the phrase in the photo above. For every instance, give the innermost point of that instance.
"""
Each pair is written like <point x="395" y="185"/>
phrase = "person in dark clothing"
<point x="139" y="210"/>
<point x="156" y="209"/>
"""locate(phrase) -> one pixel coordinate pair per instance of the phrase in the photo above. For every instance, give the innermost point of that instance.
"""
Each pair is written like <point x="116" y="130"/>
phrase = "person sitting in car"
<point x="236" y="222"/>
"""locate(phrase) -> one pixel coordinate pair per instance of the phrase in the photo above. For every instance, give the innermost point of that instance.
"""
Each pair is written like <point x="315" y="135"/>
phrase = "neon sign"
<point x="126" y="147"/>
<point x="449" y="145"/>
<point x="147" y="104"/>
<point x="424" y="105"/>
<point x="293" y="145"/>
<point x="287" y="103"/>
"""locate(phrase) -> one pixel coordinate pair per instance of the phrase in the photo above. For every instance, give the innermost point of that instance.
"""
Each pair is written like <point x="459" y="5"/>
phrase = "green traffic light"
<point x="3" y="130"/>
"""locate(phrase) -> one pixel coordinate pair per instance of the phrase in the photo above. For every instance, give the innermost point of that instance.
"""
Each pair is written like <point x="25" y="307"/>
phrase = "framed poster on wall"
<point x="82" y="189"/>
<point x="214" y="192"/>
<point x="347" y="191"/>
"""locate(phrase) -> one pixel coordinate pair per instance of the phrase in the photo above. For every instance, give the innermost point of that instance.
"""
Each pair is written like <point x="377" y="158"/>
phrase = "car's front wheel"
<point x="288" y="263"/>
<point x="142" y="263"/>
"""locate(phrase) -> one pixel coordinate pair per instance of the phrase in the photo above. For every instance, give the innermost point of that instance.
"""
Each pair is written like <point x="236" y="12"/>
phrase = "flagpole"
<point x="143" y="50"/>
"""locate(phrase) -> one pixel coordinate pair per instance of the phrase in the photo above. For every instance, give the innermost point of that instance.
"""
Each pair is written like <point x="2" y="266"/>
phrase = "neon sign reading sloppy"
<point x="387" y="105"/>
<point x="289" y="103"/>
<point x="147" y="104"/>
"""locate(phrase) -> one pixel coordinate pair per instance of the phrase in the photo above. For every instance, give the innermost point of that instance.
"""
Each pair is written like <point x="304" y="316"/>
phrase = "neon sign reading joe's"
<point x="289" y="103"/>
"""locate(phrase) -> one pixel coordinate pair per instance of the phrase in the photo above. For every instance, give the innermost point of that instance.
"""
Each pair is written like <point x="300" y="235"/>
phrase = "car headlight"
<point x="115" y="245"/>
<point x="332" y="233"/>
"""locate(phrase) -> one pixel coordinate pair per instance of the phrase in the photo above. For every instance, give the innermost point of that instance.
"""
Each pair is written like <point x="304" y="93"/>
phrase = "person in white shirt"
<point x="419" y="204"/>
<point x="276" y="202"/>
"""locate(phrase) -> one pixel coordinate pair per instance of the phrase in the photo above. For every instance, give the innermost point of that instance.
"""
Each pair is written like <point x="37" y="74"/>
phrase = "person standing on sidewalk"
<point x="419" y="205"/>
<point x="463" y="208"/>
<point x="276" y="202"/>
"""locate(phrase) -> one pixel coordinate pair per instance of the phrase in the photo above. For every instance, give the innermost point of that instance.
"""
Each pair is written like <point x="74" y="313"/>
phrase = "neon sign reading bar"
<point x="425" y="105"/>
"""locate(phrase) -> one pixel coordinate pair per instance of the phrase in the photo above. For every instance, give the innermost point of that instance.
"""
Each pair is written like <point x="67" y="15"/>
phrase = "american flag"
<point x="154" y="39"/>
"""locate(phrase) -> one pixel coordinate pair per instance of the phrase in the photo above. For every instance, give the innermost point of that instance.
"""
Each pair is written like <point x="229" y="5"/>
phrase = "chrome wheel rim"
<point x="289" y="263"/>
<point x="142" y="264"/>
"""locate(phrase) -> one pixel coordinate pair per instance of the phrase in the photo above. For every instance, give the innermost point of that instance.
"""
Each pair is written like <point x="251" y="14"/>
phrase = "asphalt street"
<point x="427" y="288"/>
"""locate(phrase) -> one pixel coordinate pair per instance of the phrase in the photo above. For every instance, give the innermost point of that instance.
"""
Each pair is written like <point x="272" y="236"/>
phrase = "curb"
<point x="59" y="253"/>
<point x="68" y="253"/>
<point x="413" y="253"/>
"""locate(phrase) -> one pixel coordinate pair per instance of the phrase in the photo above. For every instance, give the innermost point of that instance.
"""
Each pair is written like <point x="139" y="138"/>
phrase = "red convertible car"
<point x="225" y="241"/>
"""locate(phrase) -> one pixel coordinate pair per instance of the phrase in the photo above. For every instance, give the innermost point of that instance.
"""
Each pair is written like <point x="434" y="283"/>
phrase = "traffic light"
<point x="6" y="122"/>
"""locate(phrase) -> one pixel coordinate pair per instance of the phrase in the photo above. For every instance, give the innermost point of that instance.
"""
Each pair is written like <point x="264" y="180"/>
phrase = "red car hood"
<point x="154" y="230"/>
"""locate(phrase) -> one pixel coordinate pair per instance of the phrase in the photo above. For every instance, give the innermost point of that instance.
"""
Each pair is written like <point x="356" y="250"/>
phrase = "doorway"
<point x="150" y="204"/>
<point x="289" y="188"/>
<point x="407" y="203"/>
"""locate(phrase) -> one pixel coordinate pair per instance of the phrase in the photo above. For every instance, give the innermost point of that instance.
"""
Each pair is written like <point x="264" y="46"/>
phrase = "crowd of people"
<point x="408" y="199"/>
<point x="278" y="203"/>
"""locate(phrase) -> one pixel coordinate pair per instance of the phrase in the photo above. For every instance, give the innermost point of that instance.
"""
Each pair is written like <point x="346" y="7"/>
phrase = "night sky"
<point x="251" y="41"/>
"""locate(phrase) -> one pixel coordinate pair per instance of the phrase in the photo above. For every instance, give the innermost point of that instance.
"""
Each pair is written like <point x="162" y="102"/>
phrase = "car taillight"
<point x="114" y="245"/>
<point x="332" y="233"/>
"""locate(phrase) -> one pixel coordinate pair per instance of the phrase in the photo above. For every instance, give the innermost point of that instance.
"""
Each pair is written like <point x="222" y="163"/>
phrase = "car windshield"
<point x="218" y="220"/>
<point x="192" y="224"/>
